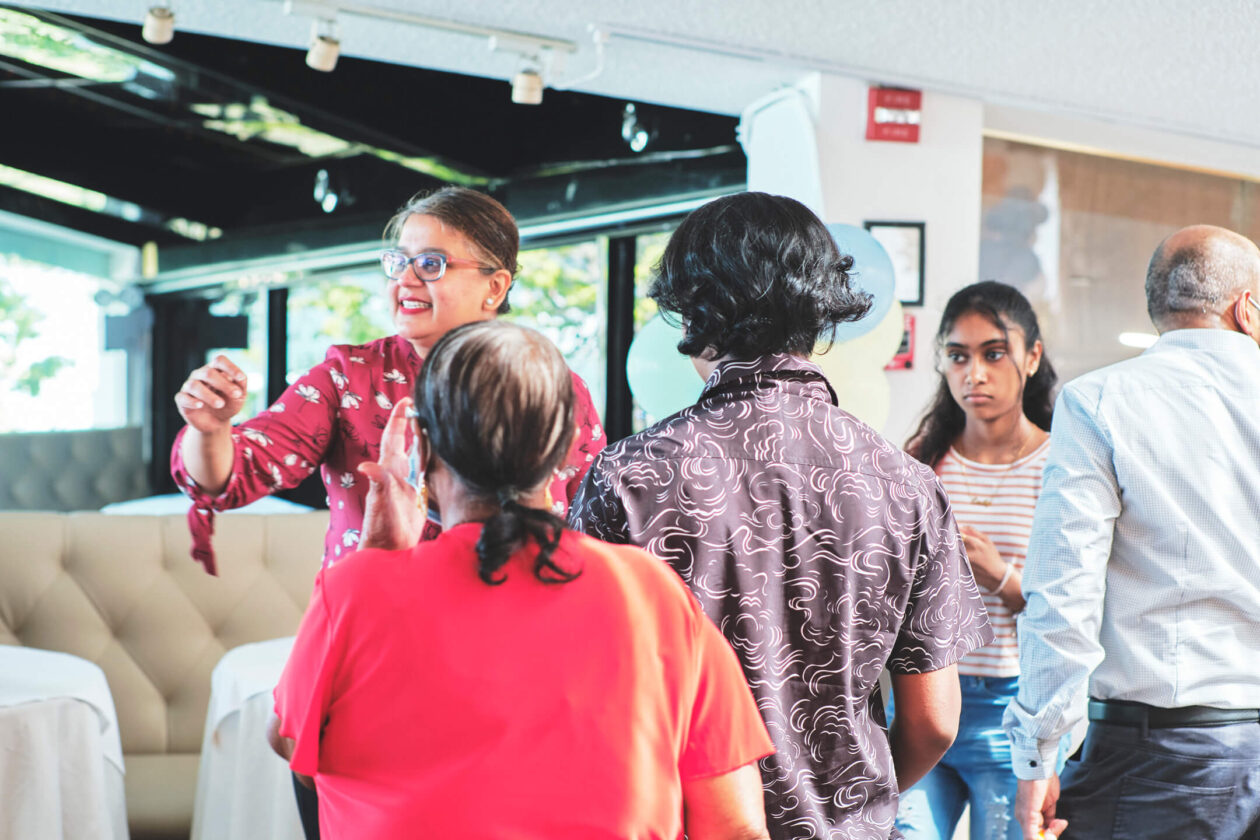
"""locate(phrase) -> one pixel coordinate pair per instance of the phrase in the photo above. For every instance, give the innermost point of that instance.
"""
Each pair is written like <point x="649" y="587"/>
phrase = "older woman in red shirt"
<point x="452" y="262"/>
<point x="511" y="678"/>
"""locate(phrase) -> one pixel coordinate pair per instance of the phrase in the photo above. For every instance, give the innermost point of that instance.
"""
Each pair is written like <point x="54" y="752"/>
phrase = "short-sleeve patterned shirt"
<point x="822" y="552"/>
<point x="331" y="419"/>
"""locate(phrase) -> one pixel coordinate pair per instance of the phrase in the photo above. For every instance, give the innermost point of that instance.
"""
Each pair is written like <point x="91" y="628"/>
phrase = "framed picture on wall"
<point x="904" y="243"/>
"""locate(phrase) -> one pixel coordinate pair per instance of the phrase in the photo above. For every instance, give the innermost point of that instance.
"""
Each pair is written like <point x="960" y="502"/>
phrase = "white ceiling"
<point x="1189" y="68"/>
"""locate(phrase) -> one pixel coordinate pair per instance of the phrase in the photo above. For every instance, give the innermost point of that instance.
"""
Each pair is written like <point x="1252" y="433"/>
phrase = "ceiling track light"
<point x="540" y="56"/>
<point x="159" y="25"/>
<point x="325" y="46"/>
<point x="527" y="86"/>
<point x="633" y="130"/>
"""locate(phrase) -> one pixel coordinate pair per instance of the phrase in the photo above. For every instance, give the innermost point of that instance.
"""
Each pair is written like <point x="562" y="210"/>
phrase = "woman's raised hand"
<point x="391" y="519"/>
<point x="212" y="395"/>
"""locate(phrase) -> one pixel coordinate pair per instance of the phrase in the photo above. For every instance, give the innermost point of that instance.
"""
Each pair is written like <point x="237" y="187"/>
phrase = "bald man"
<point x="1143" y="581"/>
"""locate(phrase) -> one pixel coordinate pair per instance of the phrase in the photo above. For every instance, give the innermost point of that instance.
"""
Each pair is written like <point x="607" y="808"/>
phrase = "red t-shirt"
<point x="427" y="703"/>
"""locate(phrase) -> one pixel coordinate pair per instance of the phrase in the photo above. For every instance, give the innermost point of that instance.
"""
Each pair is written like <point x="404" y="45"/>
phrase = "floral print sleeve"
<point x="590" y="441"/>
<point x="274" y="451"/>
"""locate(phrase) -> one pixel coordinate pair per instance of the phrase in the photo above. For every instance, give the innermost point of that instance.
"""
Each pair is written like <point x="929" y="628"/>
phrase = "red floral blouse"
<point x="331" y="419"/>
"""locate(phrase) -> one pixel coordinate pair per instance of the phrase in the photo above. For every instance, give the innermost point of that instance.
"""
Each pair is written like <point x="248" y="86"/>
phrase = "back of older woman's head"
<point x="496" y="402"/>
<point x="753" y="274"/>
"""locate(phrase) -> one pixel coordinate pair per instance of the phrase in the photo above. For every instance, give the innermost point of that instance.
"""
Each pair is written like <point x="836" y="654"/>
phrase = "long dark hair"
<point x="496" y="401"/>
<point x="1002" y="305"/>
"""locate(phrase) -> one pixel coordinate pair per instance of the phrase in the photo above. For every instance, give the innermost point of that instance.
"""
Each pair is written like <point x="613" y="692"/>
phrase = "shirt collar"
<point x="1206" y="339"/>
<point x="793" y="373"/>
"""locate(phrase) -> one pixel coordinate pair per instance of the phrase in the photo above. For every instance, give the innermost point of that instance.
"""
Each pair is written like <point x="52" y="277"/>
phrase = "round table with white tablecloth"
<point x="61" y="763"/>
<point x="244" y="790"/>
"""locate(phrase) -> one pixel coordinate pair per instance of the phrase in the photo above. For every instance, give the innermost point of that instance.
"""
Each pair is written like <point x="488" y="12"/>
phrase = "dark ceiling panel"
<point x="147" y="141"/>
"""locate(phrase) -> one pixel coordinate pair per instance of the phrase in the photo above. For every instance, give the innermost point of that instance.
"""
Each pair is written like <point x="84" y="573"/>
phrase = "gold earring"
<point x="547" y="500"/>
<point x="422" y="494"/>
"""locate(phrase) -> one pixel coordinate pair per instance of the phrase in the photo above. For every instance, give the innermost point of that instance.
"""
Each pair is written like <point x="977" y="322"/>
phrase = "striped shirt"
<point x="998" y="501"/>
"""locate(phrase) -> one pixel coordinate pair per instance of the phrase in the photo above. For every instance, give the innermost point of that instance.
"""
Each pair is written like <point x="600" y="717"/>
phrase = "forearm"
<point x="283" y="747"/>
<point x="1012" y="594"/>
<point x="208" y="457"/>
<point x="914" y="752"/>
<point x="726" y="807"/>
<point x="926" y="721"/>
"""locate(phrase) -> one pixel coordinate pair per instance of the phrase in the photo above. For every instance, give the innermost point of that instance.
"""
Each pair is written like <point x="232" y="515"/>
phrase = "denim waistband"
<point x="995" y="684"/>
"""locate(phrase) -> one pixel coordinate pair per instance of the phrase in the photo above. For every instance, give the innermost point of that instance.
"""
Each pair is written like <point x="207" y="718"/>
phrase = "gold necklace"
<point x="965" y="474"/>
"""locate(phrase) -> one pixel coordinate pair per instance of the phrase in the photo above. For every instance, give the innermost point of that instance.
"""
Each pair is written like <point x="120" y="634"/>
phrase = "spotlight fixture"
<point x="330" y="191"/>
<point x="325" y="47"/>
<point x="633" y="131"/>
<point x="159" y="25"/>
<point x="527" y="86"/>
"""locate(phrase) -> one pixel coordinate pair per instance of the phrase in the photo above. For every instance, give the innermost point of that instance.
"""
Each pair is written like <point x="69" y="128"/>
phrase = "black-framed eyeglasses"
<point x="428" y="266"/>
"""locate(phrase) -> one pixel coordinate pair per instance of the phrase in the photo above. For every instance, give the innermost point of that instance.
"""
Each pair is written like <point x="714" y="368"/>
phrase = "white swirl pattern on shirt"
<point x="822" y="552"/>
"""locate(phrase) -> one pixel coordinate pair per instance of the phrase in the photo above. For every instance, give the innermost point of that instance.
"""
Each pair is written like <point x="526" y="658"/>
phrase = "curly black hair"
<point x="1004" y="306"/>
<point x="754" y="274"/>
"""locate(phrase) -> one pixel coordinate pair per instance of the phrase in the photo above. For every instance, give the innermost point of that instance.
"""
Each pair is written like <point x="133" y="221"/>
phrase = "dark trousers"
<point x="1188" y="783"/>
<point x="308" y="809"/>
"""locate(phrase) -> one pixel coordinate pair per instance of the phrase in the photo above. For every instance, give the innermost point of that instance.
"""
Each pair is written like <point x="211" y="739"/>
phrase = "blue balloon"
<point x="872" y="273"/>
<point x="663" y="380"/>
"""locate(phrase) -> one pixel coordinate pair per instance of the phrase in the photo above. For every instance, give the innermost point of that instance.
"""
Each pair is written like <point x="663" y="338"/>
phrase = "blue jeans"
<point x="976" y="770"/>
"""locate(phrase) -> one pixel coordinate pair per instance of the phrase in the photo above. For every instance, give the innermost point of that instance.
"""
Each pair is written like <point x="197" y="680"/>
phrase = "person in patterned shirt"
<point x="452" y="261"/>
<point x="822" y="551"/>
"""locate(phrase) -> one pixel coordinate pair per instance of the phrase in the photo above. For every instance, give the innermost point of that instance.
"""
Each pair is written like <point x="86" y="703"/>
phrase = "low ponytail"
<point x="508" y="530"/>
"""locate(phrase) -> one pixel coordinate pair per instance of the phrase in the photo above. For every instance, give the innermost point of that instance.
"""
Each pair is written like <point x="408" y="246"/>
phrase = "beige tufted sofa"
<point x="122" y="592"/>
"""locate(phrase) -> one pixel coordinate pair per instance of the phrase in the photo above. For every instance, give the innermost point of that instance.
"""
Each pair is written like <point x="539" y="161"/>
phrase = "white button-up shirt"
<point x="1143" y="570"/>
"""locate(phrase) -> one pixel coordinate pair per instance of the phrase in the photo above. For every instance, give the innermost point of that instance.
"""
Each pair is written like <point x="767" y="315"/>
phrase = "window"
<point x="54" y="371"/>
<point x="343" y="307"/>
<point x="561" y="292"/>
<point x="648" y="250"/>
<point x="251" y="306"/>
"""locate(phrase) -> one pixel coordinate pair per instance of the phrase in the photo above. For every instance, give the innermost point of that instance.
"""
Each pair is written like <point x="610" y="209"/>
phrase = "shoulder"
<point x="651" y="574"/>
<point x="580" y="387"/>
<point x="1157" y="368"/>
<point x="373" y="354"/>
<point x="643" y="451"/>
<point x="344" y="581"/>
<point x="583" y="405"/>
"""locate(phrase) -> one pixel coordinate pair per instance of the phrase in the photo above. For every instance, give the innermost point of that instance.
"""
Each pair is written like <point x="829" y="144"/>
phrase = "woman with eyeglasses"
<point x="451" y="261"/>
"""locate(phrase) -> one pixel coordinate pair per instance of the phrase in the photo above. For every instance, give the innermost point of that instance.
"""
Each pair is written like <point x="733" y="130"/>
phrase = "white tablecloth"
<point x="61" y="766"/>
<point x="244" y="790"/>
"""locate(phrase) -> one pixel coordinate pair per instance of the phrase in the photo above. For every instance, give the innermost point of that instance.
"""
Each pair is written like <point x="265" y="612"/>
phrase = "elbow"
<point x="282" y="746"/>
<point x="939" y="735"/>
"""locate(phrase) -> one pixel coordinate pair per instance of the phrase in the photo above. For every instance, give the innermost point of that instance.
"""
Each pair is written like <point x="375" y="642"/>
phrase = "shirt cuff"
<point x="1035" y="760"/>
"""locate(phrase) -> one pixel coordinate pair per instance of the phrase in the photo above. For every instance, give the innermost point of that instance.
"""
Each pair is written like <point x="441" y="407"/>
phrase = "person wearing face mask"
<point x="1143" y="580"/>
<point x="986" y="437"/>
<point x="451" y="260"/>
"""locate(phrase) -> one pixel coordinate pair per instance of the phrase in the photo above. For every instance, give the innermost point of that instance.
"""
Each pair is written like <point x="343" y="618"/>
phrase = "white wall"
<point x="935" y="181"/>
